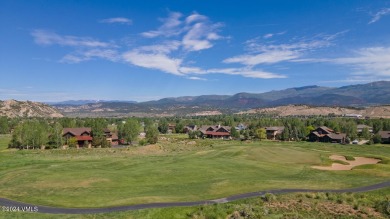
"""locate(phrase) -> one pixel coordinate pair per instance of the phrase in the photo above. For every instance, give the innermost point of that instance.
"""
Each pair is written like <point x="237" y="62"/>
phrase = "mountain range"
<point x="362" y="95"/>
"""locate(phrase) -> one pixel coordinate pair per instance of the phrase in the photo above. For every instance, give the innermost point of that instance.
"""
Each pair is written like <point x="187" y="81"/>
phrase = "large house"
<point x="325" y="134"/>
<point x="215" y="131"/>
<point x="82" y="135"/>
<point x="111" y="137"/>
<point x="385" y="136"/>
<point x="274" y="132"/>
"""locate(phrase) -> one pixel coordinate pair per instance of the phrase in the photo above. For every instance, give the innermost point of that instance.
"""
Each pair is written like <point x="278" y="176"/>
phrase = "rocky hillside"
<point x="14" y="108"/>
<point x="304" y="110"/>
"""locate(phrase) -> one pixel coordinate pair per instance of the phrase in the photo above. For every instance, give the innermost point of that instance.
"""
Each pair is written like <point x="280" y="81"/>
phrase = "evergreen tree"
<point x="163" y="126"/>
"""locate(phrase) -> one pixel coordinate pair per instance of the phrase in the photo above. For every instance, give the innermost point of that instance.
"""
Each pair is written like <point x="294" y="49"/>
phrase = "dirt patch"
<point x="351" y="163"/>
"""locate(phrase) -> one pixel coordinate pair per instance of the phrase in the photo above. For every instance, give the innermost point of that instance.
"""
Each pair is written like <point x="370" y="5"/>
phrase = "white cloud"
<point x="263" y="53"/>
<point x="270" y="35"/>
<point x="267" y="57"/>
<point x="120" y="20"/>
<point x="166" y="47"/>
<point x="246" y="72"/>
<point x="195" y="31"/>
<point x="195" y="17"/>
<point x="157" y="61"/>
<point x="43" y="37"/>
<point x="108" y="54"/>
<point x="372" y="61"/>
<point x="377" y="16"/>
<point x="170" y="27"/>
<point x="199" y="37"/>
<point x="197" y="78"/>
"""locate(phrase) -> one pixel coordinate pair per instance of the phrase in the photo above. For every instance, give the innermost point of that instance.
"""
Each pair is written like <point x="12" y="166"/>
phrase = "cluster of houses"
<point x="320" y="134"/>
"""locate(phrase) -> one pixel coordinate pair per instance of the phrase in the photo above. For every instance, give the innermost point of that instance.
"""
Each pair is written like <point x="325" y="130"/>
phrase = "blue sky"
<point x="144" y="50"/>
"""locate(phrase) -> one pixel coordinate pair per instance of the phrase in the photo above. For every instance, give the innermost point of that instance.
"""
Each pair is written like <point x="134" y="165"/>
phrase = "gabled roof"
<point x="214" y="128"/>
<point x="326" y="129"/>
<point x="76" y="131"/>
<point x="335" y="136"/>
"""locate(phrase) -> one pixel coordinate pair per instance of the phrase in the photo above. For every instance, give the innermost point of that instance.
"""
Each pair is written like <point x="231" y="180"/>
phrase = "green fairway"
<point x="176" y="171"/>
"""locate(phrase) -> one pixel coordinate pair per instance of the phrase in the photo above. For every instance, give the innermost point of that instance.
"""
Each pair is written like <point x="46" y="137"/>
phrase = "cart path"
<point x="57" y="210"/>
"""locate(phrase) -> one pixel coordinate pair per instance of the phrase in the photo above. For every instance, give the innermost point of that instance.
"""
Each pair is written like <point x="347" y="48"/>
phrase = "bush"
<point x="269" y="197"/>
<point x="142" y="142"/>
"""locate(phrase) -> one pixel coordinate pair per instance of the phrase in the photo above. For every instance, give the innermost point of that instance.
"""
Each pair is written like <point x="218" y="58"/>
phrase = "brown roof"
<point x="214" y="128"/>
<point x="384" y="134"/>
<point x="329" y="130"/>
<point x="275" y="128"/>
<point x="337" y="136"/>
<point x="76" y="131"/>
<point x="114" y="137"/>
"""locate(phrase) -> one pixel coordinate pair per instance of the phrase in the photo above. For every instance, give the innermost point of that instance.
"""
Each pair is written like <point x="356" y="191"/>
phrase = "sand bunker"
<point x="352" y="163"/>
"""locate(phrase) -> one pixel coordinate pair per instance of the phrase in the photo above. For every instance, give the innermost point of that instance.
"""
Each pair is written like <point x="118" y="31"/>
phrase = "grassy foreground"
<point x="375" y="204"/>
<point x="177" y="170"/>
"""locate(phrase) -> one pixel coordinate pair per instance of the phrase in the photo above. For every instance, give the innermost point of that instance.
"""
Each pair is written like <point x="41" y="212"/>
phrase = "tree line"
<point x="38" y="132"/>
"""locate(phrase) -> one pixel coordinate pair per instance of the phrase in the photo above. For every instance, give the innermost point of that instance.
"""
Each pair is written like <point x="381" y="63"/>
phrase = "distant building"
<point x="352" y="115"/>
<point x="325" y="134"/>
<point x="111" y="137"/>
<point x="190" y="128"/>
<point x="361" y="127"/>
<point x="82" y="135"/>
<point x="385" y="136"/>
<point x="171" y="128"/>
<point x="274" y="132"/>
<point x="215" y="131"/>
<point x="240" y="127"/>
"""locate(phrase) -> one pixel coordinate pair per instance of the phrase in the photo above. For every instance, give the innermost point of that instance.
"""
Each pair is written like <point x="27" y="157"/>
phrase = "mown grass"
<point x="4" y="140"/>
<point x="175" y="170"/>
<point x="374" y="204"/>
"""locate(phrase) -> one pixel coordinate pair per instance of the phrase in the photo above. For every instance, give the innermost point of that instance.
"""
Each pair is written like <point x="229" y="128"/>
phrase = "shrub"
<point x="269" y="197"/>
<point x="142" y="142"/>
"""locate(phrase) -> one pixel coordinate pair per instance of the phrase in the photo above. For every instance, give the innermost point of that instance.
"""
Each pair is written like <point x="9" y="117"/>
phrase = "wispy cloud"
<point x="197" y="78"/>
<point x="173" y="41"/>
<point x="80" y="56"/>
<point x="371" y="61"/>
<point x="196" y="32"/>
<point x="267" y="57"/>
<point x="170" y="27"/>
<point x="246" y="72"/>
<point x="260" y="52"/>
<point x="44" y="37"/>
<point x="157" y="61"/>
<point x="119" y="20"/>
<point x="377" y="16"/>
<point x="270" y="35"/>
